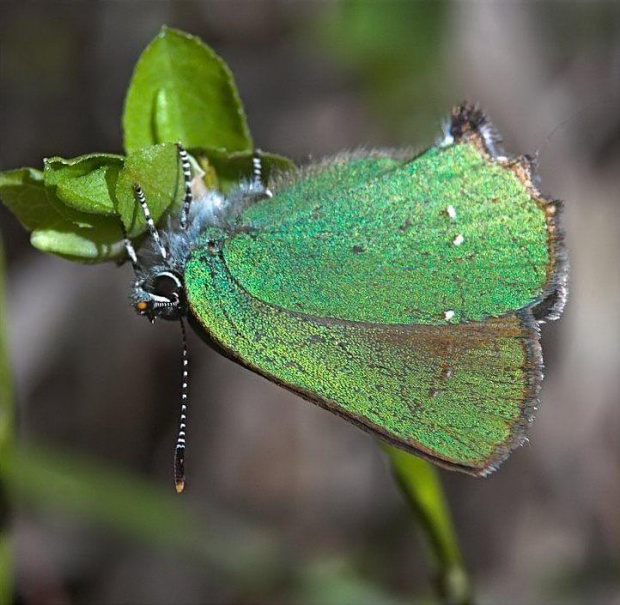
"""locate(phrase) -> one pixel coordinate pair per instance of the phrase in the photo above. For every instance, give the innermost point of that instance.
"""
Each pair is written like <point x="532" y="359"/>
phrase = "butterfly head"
<point x="159" y="293"/>
<point x="159" y="289"/>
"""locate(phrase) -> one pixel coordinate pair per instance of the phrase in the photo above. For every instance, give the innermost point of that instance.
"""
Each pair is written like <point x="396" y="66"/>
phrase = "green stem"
<point x="421" y="486"/>
<point x="6" y="450"/>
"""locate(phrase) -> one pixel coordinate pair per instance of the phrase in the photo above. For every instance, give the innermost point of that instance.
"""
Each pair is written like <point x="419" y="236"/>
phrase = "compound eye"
<point x="142" y="306"/>
<point x="166" y="285"/>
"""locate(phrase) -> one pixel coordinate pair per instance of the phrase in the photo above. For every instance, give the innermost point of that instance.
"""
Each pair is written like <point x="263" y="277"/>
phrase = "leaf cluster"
<point x="181" y="91"/>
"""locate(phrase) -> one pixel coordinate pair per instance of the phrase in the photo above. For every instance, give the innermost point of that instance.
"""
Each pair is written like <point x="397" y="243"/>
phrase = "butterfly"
<point x="400" y="291"/>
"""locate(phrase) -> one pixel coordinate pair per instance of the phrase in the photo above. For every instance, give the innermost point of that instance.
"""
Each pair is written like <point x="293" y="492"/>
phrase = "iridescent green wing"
<point x="453" y="235"/>
<point x="458" y="395"/>
<point x="400" y="297"/>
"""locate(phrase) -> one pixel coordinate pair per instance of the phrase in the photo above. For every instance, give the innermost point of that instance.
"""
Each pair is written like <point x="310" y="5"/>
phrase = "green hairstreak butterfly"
<point x="402" y="292"/>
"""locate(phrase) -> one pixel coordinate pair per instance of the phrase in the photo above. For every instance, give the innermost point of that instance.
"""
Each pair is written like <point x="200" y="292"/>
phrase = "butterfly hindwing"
<point x="459" y="395"/>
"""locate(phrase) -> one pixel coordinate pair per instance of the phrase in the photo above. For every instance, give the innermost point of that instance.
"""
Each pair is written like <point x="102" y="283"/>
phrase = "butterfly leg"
<point x="130" y="251"/>
<point x="257" y="170"/>
<point x="187" y="180"/>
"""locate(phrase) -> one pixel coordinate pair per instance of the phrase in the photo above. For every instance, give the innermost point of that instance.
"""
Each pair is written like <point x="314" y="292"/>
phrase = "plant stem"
<point x="421" y="486"/>
<point x="6" y="450"/>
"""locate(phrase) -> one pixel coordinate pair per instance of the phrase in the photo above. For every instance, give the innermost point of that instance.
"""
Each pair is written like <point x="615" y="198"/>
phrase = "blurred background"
<point x="287" y="503"/>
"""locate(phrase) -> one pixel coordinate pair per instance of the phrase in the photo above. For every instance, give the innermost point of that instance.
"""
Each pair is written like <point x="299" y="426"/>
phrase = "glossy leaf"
<point x="156" y="169"/>
<point x="99" y="243"/>
<point x="79" y="218"/>
<point x="182" y="91"/>
<point x="86" y="183"/>
<point x="23" y="193"/>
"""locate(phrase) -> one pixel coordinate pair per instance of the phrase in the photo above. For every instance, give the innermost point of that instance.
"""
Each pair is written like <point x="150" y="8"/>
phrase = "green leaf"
<point x="23" y="193"/>
<point x="157" y="170"/>
<point x="231" y="168"/>
<point x="86" y="184"/>
<point x="91" y="192"/>
<point x="420" y="483"/>
<point x="182" y="91"/>
<point x="101" y="242"/>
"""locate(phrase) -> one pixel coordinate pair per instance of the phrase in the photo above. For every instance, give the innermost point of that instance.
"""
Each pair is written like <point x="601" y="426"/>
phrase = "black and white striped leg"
<point x="139" y="195"/>
<point x="187" y="180"/>
<point x="179" y="452"/>
<point x="257" y="170"/>
<point x="131" y="251"/>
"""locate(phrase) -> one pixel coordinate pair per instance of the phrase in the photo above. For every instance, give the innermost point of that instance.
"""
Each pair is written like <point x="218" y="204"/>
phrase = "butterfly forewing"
<point x="452" y="231"/>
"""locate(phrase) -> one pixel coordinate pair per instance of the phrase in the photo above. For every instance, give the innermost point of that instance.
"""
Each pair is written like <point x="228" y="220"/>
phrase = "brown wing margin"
<point x="469" y="123"/>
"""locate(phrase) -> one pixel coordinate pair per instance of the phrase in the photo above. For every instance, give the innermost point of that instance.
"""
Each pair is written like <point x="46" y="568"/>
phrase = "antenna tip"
<point x="179" y="469"/>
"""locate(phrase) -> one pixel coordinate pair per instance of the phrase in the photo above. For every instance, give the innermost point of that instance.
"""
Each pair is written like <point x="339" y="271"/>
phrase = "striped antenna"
<point x="187" y="180"/>
<point x="257" y="170"/>
<point x="179" y="452"/>
<point x="139" y="195"/>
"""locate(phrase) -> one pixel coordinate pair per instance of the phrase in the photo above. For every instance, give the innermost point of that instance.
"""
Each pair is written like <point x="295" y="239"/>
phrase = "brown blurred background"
<point x="315" y="78"/>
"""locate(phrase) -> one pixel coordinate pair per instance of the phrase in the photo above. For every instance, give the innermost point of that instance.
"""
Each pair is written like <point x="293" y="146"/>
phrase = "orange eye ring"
<point x="142" y="305"/>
